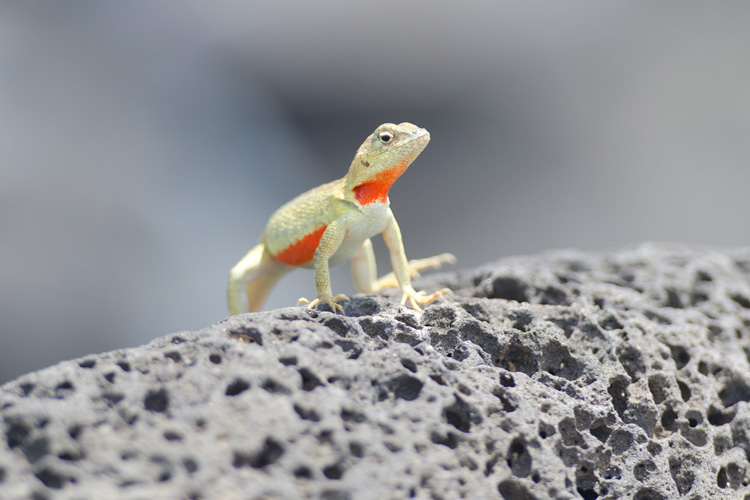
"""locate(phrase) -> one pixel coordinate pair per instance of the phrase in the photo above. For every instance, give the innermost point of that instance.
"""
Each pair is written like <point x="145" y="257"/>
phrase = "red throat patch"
<point x="377" y="188"/>
<point x="301" y="251"/>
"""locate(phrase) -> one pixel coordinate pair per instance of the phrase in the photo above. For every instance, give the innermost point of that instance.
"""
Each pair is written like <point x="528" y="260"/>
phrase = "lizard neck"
<point x="376" y="189"/>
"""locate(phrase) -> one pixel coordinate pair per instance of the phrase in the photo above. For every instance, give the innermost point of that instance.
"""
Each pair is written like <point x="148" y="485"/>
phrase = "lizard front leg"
<point x="392" y="237"/>
<point x="329" y="243"/>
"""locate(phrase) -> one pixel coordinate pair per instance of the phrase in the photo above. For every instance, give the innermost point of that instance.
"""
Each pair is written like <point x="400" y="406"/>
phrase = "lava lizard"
<point x="333" y="223"/>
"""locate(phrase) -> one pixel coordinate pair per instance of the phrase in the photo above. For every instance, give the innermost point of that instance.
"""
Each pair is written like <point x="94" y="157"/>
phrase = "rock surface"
<point x="621" y="375"/>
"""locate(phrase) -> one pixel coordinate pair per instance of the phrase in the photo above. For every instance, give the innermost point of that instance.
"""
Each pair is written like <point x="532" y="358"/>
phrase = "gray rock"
<point x="621" y="375"/>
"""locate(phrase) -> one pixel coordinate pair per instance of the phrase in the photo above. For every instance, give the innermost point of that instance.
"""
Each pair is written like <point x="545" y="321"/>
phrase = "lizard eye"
<point x="385" y="137"/>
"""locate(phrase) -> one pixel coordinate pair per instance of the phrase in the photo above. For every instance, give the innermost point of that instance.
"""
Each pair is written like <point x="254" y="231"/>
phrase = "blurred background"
<point x="143" y="145"/>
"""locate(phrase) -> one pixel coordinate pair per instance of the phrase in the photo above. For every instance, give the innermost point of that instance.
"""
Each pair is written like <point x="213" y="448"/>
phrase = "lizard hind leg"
<point x="252" y="279"/>
<point x="364" y="270"/>
<point x="416" y="265"/>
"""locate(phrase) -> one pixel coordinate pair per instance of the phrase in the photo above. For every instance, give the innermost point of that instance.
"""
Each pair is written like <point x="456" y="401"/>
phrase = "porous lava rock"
<point x="617" y="375"/>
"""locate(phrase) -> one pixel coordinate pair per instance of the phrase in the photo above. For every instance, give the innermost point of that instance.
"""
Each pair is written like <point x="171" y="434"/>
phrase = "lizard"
<point x="333" y="223"/>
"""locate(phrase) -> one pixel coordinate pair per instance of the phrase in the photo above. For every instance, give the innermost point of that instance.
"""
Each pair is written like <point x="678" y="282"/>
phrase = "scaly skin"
<point x="333" y="223"/>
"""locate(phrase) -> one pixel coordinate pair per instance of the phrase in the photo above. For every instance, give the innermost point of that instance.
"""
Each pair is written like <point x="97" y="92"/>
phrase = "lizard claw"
<point x="416" y="299"/>
<point x="333" y="302"/>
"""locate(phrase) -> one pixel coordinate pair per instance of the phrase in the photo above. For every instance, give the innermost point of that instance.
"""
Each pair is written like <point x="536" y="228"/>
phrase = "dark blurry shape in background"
<point x="144" y="145"/>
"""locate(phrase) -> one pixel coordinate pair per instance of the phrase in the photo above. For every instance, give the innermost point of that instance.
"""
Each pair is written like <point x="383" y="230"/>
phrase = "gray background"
<point x="144" y="144"/>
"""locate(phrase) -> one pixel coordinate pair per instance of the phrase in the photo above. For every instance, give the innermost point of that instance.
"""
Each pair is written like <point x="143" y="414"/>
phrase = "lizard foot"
<point x="333" y="302"/>
<point x="415" y="299"/>
<point x="416" y="265"/>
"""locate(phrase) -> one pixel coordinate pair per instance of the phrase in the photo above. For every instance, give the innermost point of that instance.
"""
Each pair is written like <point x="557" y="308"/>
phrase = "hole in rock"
<point x="334" y="471"/>
<point x="733" y="392"/>
<point x="512" y="489"/>
<point x="681" y="474"/>
<point x="621" y="440"/>
<point x="70" y="455"/>
<point x="409" y="365"/>
<point x="657" y="384"/>
<point x="553" y="296"/>
<point x="518" y="458"/>
<point x="16" y="433"/>
<point x="703" y="276"/>
<point x="571" y="436"/>
<point x="269" y="453"/>
<point x="338" y="325"/>
<point x="546" y="430"/>
<point x="680" y="355"/>
<point x="352" y="416"/>
<point x="673" y="299"/>
<point x="587" y="494"/>
<point x="405" y="387"/>
<point x="51" y="478"/>
<point x="303" y="472"/>
<point x="357" y="449"/>
<point x="721" y="478"/>
<point x="238" y="386"/>
<point x="643" y="469"/>
<point x="309" y="380"/>
<point x="307" y="413"/>
<point x="611" y="472"/>
<point x="669" y="420"/>
<point x="74" y="431"/>
<point x="521" y="320"/>
<point x="190" y="465"/>
<point x="518" y="358"/>
<point x="506" y="379"/>
<point x="649" y="494"/>
<point x="36" y="449"/>
<point x="611" y="323"/>
<point x="63" y="389"/>
<point x="448" y="439"/>
<point x="112" y="398"/>
<point x="685" y="392"/>
<point x="460" y="415"/>
<point x="694" y="418"/>
<point x="275" y="387"/>
<point x="247" y="335"/>
<point x="508" y="288"/>
<point x="174" y="356"/>
<point x="172" y="436"/>
<point x="618" y="390"/>
<point x="289" y="360"/>
<point x="631" y="359"/>
<point x="156" y="400"/>
<point x="741" y="300"/>
<point x="717" y="417"/>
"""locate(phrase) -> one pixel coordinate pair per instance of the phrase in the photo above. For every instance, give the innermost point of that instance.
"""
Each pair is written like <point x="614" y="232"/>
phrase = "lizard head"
<point x="382" y="158"/>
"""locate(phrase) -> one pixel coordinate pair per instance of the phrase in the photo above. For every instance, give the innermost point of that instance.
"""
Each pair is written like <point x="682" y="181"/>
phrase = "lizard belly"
<point x="364" y="223"/>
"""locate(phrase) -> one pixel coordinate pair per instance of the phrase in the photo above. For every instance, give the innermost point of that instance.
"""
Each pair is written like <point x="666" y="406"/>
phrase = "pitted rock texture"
<point x="621" y="375"/>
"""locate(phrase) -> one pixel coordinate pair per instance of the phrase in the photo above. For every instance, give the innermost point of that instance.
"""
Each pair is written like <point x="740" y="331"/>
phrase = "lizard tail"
<point x="252" y="279"/>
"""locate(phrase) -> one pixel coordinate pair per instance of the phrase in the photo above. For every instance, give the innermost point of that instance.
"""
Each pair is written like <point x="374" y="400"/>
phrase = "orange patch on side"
<point x="301" y="251"/>
<point x="377" y="188"/>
